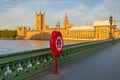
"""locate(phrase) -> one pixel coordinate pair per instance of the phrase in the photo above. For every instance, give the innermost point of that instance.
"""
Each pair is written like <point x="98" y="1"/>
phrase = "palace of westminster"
<point x="98" y="31"/>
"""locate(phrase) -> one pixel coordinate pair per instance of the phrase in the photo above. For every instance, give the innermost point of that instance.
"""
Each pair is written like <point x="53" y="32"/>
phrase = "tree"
<point x="8" y="33"/>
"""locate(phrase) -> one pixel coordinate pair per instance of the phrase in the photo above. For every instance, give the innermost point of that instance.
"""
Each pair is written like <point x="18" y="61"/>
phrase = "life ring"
<point x="56" y="43"/>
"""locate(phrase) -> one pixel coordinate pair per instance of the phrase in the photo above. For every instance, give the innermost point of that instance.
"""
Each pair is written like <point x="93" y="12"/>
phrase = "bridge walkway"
<point x="101" y="65"/>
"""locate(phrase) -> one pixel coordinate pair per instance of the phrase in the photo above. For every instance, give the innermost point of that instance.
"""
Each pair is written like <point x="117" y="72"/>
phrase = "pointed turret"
<point x="66" y="22"/>
<point x="58" y="25"/>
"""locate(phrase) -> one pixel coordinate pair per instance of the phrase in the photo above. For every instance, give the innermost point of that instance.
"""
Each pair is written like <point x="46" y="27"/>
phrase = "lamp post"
<point x="110" y="21"/>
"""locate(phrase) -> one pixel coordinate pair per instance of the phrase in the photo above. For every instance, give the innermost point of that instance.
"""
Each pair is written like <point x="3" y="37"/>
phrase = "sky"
<point x="14" y="13"/>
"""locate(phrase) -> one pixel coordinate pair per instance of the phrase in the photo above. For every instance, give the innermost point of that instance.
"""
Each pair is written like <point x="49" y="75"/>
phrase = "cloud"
<point x="22" y="12"/>
<point x="74" y="14"/>
<point x="59" y="2"/>
<point x="82" y="14"/>
<point x="105" y="9"/>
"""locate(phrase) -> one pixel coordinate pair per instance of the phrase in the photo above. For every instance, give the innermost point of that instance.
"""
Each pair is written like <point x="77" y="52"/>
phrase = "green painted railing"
<point x="21" y="65"/>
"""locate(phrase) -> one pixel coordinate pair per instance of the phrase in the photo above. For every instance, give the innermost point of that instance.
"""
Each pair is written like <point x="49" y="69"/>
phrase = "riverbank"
<point x="1" y="38"/>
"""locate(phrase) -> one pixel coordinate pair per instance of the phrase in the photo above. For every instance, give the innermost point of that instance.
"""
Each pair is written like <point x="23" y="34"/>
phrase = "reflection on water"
<point x="10" y="46"/>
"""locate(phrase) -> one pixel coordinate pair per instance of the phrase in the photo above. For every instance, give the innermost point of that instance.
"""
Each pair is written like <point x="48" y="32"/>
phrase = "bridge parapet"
<point x="21" y="65"/>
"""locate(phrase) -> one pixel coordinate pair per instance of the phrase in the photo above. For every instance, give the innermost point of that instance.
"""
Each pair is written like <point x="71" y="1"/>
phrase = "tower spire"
<point x="58" y="25"/>
<point x="66" y="16"/>
<point x="66" y="22"/>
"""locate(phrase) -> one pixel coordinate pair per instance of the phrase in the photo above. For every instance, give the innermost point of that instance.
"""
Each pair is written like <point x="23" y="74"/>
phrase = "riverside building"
<point x="98" y="31"/>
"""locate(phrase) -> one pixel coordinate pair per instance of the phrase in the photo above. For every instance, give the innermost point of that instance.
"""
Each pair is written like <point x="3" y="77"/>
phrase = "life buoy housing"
<point x="56" y="43"/>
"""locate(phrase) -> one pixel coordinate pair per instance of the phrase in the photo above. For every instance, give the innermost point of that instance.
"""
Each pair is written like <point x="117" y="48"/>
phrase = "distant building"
<point x="98" y="31"/>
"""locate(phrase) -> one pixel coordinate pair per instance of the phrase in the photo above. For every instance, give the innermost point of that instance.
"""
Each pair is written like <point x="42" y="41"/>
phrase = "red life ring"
<point x="56" y="43"/>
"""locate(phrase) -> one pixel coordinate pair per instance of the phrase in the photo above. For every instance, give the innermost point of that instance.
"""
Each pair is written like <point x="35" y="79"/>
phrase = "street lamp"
<point x="110" y="21"/>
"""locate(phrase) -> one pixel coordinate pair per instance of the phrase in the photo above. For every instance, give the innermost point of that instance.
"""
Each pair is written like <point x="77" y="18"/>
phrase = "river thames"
<point x="11" y="46"/>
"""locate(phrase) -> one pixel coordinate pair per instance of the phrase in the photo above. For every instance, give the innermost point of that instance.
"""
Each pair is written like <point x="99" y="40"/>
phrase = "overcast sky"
<point x="15" y="13"/>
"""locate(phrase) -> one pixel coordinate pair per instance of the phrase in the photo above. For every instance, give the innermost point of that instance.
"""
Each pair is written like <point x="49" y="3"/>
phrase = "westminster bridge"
<point x="95" y="60"/>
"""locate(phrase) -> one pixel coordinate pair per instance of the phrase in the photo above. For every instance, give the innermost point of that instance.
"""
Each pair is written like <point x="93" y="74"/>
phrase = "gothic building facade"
<point x="98" y="31"/>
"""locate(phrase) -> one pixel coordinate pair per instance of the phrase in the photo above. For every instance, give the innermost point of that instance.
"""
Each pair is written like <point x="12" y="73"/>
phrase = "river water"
<point x="11" y="46"/>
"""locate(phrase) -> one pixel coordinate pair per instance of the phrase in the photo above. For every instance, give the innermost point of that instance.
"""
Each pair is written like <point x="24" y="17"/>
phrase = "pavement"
<point x="101" y="65"/>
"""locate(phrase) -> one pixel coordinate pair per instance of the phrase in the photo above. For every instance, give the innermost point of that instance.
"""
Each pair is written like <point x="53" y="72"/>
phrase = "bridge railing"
<point x="21" y="65"/>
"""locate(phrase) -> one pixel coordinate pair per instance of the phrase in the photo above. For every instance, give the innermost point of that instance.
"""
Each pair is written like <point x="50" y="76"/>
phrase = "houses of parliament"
<point x="98" y="31"/>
